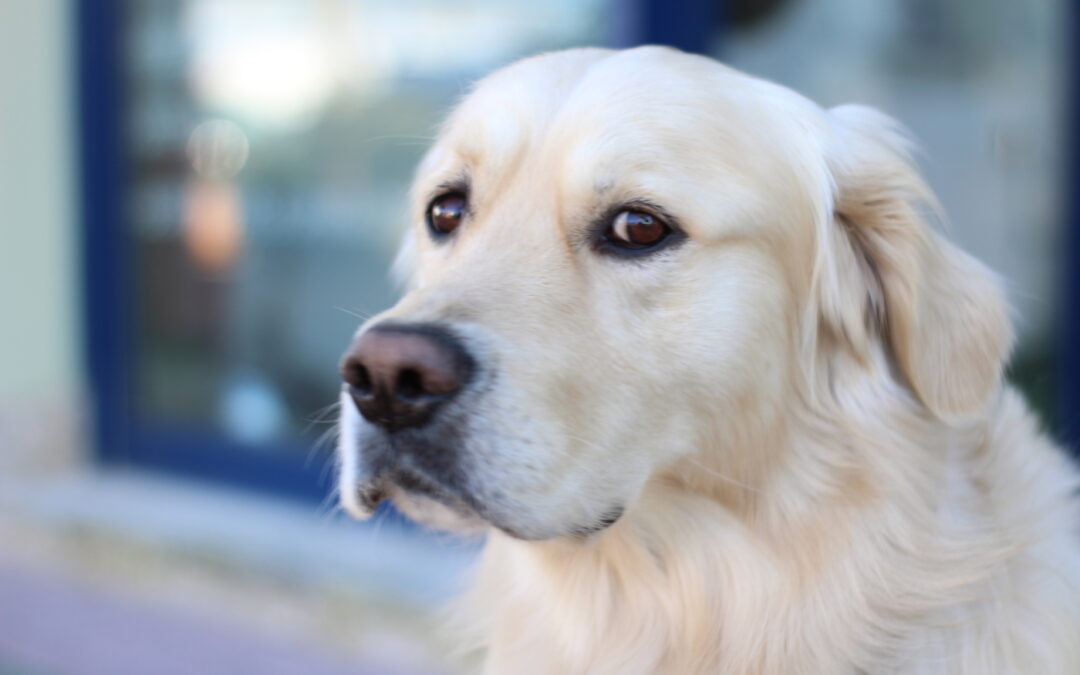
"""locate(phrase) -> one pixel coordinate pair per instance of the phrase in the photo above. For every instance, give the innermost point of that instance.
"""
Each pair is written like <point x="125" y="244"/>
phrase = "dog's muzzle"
<point x="401" y="378"/>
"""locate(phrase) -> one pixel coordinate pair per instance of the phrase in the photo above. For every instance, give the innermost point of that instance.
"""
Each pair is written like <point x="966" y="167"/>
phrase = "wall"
<point x="39" y="364"/>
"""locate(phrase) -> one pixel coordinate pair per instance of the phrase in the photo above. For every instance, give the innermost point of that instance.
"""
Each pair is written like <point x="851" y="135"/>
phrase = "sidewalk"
<point x="51" y="625"/>
<point x="117" y="572"/>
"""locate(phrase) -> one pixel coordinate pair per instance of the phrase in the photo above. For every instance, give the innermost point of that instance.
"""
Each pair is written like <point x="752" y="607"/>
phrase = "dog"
<point x="690" y="350"/>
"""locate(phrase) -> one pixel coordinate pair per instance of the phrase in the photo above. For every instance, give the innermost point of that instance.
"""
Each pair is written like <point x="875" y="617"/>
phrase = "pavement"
<point x="50" y="625"/>
<point x="121" y="572"/>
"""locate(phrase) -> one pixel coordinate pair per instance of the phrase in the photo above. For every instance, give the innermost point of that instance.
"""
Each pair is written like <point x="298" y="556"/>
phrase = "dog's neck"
<point x="726" y="575"/>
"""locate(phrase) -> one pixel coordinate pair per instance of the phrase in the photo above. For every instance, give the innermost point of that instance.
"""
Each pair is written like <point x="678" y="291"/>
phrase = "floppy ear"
<point x="886" y="272"/>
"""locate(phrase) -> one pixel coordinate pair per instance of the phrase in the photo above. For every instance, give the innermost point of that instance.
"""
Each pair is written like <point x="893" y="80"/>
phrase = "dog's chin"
<point x="433" y="513"/>
<point x="448" y="514"/>
<point x="440" y="511"/>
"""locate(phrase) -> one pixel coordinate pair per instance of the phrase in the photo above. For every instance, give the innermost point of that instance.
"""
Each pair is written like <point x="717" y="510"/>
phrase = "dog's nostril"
<point x="358" y="377"/>
<point x="410" y="384"/>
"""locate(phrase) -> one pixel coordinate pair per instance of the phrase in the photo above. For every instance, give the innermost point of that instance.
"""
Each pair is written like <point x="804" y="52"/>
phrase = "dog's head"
<point x="620" y="261"/>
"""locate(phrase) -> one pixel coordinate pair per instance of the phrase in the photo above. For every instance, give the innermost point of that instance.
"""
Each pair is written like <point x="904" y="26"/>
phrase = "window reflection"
<point x="271" y="145"/>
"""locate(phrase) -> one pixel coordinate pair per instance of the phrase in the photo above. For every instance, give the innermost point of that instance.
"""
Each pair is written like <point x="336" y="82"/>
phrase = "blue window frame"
<point x="1069" y="354"/>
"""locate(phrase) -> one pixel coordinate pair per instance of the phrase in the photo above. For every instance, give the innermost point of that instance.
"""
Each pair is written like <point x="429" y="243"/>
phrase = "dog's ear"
<point x="884" y="271"/>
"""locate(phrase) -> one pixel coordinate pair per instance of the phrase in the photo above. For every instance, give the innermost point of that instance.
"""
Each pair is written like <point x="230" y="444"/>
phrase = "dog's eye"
<point x="636" y="230"/>
<point x="446" y="213"/>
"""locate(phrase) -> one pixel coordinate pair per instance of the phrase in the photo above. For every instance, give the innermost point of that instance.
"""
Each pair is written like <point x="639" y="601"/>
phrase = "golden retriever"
<point x="688" y="348"/>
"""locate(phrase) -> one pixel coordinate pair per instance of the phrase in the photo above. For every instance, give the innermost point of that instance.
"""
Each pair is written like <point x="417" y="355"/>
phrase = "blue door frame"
<point x="104" y="246"/>
<point x="1068" y="354"/>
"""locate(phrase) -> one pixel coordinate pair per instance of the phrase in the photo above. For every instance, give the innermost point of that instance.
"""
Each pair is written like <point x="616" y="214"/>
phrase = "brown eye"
<point x="446" y="213"/>
<point x="636" y="229"/>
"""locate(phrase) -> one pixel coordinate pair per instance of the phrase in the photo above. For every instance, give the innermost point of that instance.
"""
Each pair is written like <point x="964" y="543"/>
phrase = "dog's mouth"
<point x="444" y="506"/>
<point x="413" y="472"/>
<point x="429" y="503"/>
<point x="386" y="485"/>
<point x="604" y="522"/>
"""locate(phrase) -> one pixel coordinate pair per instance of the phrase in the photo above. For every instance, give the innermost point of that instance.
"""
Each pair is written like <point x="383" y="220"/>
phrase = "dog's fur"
<point x="799" y="411"/>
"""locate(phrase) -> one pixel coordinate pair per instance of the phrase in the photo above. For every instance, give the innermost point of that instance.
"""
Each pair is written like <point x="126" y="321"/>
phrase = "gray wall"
<point x="39" y="368"/>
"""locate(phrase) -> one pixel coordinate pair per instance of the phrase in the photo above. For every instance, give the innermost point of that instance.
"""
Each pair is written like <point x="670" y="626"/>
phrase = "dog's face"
<point x="610" y="270"/>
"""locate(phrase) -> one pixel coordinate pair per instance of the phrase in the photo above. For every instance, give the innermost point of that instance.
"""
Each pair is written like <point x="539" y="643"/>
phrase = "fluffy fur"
<point x="800" y="410"/>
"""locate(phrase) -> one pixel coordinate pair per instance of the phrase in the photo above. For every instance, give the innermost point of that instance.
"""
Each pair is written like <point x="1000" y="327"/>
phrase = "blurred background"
<point x="199" y="201"/>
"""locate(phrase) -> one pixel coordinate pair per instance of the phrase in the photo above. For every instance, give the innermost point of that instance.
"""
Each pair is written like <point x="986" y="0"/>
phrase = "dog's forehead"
<point x="636" y="101"/>
<point x="513" y="107"/>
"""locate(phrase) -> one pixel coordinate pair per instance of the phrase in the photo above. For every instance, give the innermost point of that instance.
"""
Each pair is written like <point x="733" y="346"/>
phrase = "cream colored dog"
<point x="686" y="346"/>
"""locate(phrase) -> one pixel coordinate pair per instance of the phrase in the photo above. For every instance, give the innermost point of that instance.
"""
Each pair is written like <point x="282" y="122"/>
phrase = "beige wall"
<point x="38" y="254"/>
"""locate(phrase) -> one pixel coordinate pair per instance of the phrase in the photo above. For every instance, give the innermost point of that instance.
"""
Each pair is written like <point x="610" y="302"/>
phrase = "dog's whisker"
<point x="376" y="527"/>
<point x="400" y="137"/>
<point x="579" y="439"/>
<point x="711" y="471"/>
<point x="320" y="416"/>
<point x="321" y="444"/>
<point x="359" y="315"/>
<point x="716" y="474"/>
<point x="328" y="508"/>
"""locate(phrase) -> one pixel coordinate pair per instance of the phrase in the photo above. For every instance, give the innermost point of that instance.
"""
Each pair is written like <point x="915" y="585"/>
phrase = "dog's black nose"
<point x="399" y="374"/>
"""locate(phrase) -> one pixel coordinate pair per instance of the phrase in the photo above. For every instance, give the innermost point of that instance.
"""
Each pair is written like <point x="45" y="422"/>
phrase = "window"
<point x="262" y="154"/>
